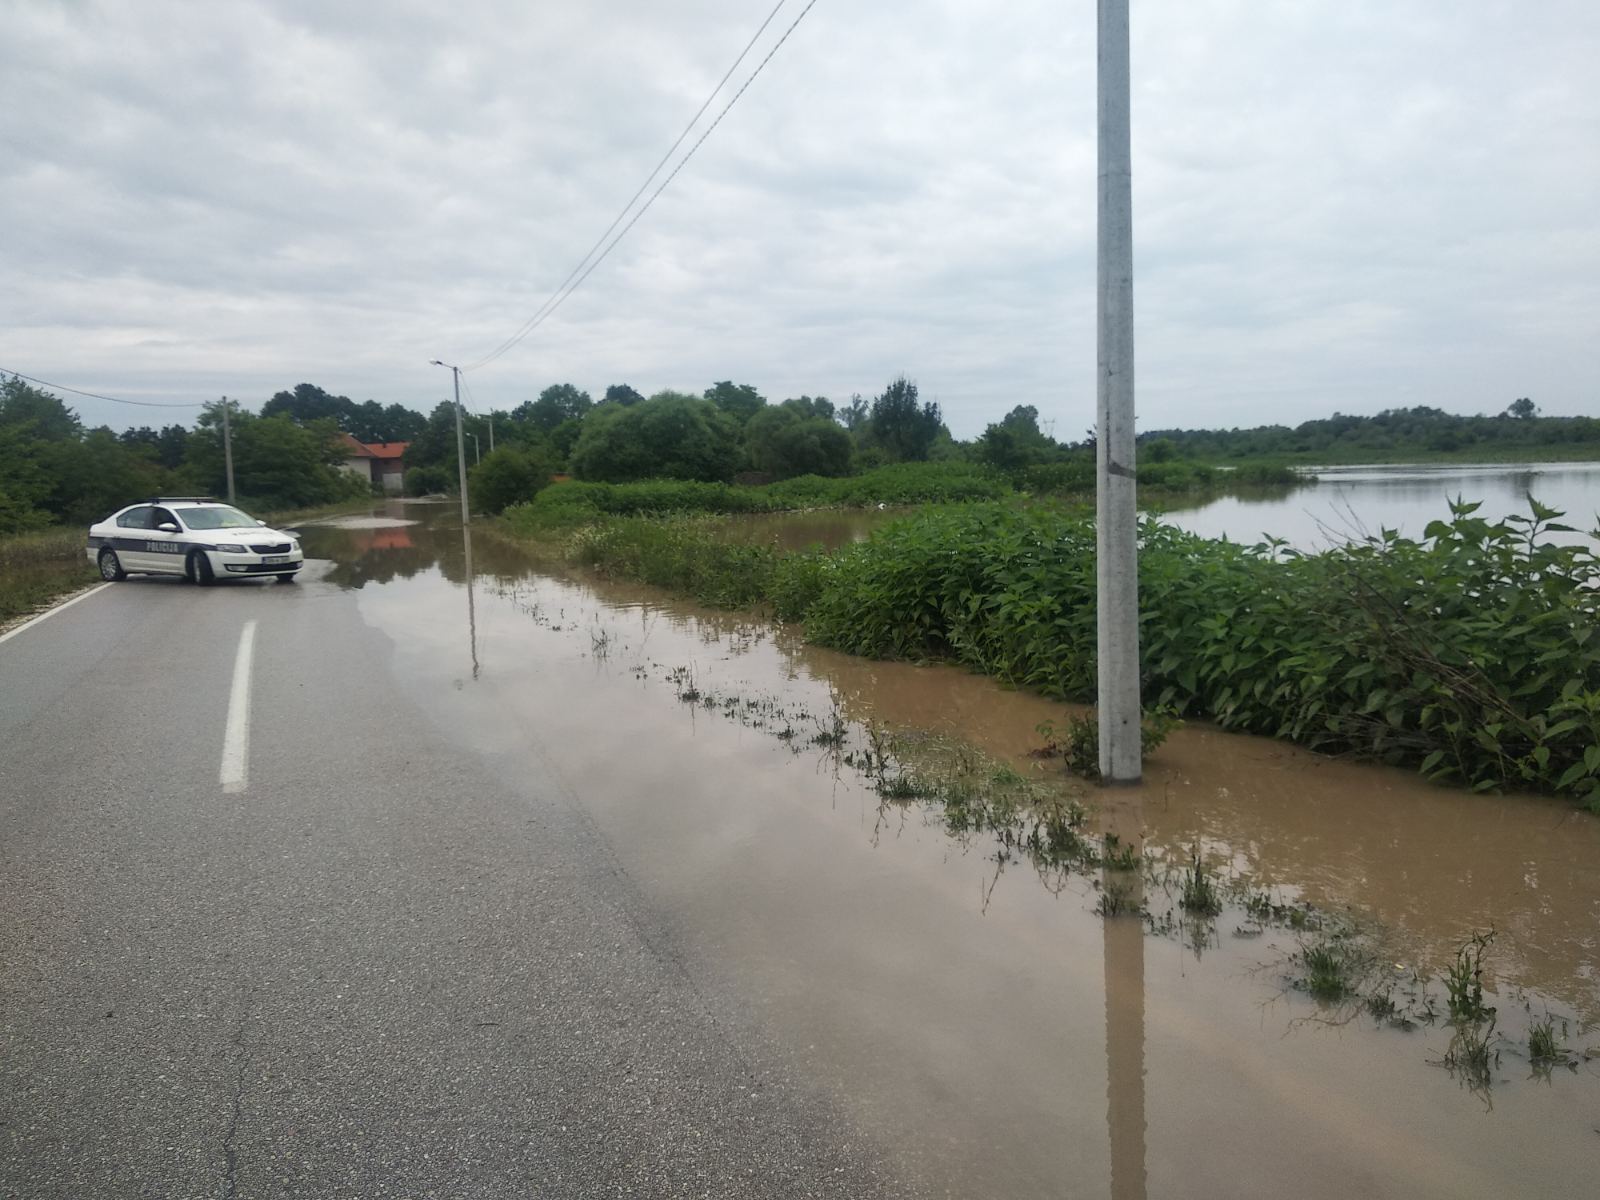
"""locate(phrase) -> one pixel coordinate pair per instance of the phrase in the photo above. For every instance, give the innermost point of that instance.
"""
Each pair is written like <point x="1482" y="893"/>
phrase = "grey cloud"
<point x="1346" y="204"/>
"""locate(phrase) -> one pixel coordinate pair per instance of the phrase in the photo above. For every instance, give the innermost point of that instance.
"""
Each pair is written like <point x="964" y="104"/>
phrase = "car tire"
<point x="111" y="566"/>
<point x="198" y="568"/>
<point x="288" y="578"/>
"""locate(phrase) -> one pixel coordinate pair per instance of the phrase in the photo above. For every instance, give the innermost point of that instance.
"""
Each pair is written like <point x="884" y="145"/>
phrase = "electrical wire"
<point x="615" y="221"/>
<point x="96" y="395"/>
<point x="570" y="285"/>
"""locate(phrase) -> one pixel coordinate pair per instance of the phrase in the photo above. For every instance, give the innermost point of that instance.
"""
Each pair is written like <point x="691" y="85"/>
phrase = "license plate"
<point x="275" y="558"/>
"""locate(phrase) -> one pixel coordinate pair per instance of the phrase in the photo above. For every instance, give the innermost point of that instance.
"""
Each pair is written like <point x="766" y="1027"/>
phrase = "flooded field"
<point x="979" y="988"/>
<point x="1341" y="502"/>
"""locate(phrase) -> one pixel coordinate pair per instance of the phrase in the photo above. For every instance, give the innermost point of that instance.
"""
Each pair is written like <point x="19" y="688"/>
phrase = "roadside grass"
<point x="36" y="568"/>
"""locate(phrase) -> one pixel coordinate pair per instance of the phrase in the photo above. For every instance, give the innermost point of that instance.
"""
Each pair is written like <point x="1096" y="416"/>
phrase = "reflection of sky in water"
<point x="1350" y="501"/>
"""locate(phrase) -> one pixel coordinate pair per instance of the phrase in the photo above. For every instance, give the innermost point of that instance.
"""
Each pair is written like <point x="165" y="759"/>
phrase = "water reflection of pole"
<point x="1124" y="975"/>
<point x="472" y="609"/>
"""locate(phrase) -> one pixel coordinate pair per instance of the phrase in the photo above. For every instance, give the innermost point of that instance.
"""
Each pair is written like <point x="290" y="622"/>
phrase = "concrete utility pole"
<point x="1117" y="518"/>
<point x="461" y="445"/>
<point x="227" y="445"/>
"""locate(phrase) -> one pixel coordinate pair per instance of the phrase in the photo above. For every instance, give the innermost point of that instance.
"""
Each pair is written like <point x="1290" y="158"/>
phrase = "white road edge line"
<point x="234" y="775"/>
<point x="48" y="613"/>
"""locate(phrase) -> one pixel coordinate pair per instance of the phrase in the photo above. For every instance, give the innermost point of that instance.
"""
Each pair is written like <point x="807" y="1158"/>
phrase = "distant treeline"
<point x="53" y="469"/>
<point x="1390" y="436"/>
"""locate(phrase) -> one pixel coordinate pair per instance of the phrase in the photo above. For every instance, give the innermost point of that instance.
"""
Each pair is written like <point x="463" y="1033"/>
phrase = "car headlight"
<point x="228" y="548"/>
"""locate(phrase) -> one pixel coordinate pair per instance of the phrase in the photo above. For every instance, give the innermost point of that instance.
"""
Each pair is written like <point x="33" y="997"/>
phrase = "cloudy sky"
<point x="1339" y="204"/>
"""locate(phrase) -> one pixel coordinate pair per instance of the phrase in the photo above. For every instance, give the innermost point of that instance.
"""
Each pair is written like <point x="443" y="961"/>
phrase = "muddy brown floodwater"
<point x="969" y="1007"/>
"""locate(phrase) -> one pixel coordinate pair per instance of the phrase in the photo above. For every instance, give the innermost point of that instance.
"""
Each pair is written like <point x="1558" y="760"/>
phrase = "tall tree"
<point x="901" y="428"/>
<point x="669" y="436"/>
<point x="739" y="400"/>
<point x="621" y="393"/>
<point x="557" y="403"/>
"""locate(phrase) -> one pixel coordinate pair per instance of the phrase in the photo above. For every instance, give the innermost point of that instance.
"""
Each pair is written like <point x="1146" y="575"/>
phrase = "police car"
<point x="192" y="536"/>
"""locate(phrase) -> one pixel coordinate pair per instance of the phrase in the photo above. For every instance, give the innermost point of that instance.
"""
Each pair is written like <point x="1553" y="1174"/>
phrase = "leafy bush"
<point x="575" y="503"/>
<point x="669" y="435"/>
<point x="506" y="476"/>
<point x="1471" y="654"/>
<point x="429" y="481"/>
<point x="683" y="554"/>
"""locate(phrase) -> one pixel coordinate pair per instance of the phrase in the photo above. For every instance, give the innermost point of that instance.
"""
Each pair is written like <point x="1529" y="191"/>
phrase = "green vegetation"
<point x="54" y="471"/>
<point x="1396" y="435"/>
<point x="37" y="567"/>
<point x="508" y="475"/>
<point x="1546" y="1047"/>
<point x="1469" y="654"/>
<point x="1464" y="981"/>
<point x="1079" y="745"/>
<point x="1200" y="896"/>
<point x="1326" y="974"/>
<point x="576" y="503"/>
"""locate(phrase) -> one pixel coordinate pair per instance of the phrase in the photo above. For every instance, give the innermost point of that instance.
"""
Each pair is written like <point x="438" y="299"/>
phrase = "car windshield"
<point x="217" y="517"/>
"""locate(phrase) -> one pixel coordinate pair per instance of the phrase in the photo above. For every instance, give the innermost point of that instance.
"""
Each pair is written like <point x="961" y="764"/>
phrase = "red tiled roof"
<point x="373" y="449"/>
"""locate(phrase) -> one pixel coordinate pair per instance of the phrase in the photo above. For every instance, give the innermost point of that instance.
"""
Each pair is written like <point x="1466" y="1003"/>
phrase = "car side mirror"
<point x="260" y="522"/>
<point x="167" y="527"/>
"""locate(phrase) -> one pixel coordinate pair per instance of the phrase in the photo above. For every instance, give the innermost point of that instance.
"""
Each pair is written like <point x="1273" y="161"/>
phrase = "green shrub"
<point x="683" y="554"/>
<point x="1470" y="654"/>
<point x="506" y="476"/>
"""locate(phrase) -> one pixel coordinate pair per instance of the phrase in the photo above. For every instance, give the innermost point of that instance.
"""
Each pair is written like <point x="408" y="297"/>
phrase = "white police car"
<point x="192" y="536"/>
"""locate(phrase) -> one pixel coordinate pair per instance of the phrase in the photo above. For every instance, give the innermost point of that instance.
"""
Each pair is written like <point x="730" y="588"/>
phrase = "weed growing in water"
<point x="1544" y="1045"/>
<point x="1464" y="981"/>
<point x="1326" y="972"/>
<point x="1079" y="746"/>
<point x="1200" y="895"/>
<point x="1472" y="1057"/>
<point x="1116" y="901"/>
<point x="1115" y="856"/>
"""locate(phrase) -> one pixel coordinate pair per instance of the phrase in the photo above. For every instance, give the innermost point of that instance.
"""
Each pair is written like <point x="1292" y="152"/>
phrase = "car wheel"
<point x="289" y="578"/>
<point x="199" y="568"/>
<point x="111" y="566"/>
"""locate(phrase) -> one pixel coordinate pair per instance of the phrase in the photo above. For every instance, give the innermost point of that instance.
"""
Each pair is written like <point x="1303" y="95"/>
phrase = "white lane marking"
<point x="234" y="775"/>
<point x="46" y="615"/>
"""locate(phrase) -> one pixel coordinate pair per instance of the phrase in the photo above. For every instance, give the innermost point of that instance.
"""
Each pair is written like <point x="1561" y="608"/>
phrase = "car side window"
<point x="163" y="517"/>
<point x="137" y="518"/>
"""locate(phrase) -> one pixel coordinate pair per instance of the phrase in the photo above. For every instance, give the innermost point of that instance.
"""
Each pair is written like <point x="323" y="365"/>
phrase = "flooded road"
<point x="966" y="1001"/>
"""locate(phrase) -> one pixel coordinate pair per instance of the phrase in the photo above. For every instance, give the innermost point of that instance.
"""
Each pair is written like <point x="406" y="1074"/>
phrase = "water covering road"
<point x="502" y="912"/>
<point x="970" y="1008"/>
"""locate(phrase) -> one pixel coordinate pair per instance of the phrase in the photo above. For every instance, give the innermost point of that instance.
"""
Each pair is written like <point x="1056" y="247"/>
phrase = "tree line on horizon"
<point x="53" y="469"/>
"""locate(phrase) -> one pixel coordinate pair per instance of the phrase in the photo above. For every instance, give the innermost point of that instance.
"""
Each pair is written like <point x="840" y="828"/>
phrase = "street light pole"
<point x="1116" y="517"/>
<point x="477" y="450"/>
<point x="461" y="446"/>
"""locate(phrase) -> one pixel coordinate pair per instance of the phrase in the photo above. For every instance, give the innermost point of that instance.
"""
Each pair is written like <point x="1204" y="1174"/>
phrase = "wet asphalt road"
<point x="378" y="970"/>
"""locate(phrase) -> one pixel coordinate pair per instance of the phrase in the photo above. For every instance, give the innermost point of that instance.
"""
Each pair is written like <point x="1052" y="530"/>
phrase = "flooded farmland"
<point x="972" y="998"/>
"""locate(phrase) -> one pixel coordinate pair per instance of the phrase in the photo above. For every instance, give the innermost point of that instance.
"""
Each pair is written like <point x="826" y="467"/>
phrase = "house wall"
<point x="361" y="468"/>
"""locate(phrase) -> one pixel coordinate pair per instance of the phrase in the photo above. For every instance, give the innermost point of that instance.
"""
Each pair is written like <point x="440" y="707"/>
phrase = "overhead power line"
<point x="527" y="326"/>
<point x="581" y="272"/>
<point x="96" y="395"/>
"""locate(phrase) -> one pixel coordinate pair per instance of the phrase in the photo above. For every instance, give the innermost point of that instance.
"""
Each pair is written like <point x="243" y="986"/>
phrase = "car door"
<point x="132" y="539"/>
<point x="166" y="547"/>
